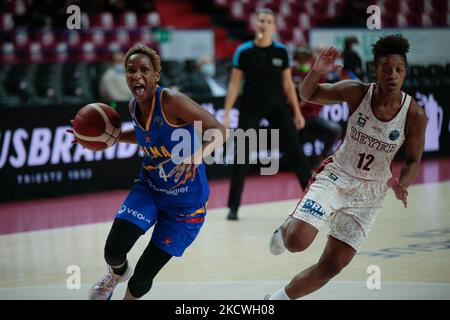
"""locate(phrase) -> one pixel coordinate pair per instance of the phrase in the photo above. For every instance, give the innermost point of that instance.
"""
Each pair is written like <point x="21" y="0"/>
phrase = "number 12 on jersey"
<point x="367" y="158"/>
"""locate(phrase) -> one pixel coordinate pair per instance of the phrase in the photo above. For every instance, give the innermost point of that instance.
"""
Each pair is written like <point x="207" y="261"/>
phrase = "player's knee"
<point x="139" y="285"/>
<point x="113" y="253"/>
<point x="295" y="243"/>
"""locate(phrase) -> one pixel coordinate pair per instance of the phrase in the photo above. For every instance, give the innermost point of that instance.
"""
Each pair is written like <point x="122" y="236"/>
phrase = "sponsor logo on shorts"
<point x="312" y="207"/>
<point x="124" y="210"/>
<point x="167" y="241"/>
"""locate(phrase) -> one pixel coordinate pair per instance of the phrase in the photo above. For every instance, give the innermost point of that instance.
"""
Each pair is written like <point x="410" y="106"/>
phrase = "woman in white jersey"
<point x="349" y="187"/>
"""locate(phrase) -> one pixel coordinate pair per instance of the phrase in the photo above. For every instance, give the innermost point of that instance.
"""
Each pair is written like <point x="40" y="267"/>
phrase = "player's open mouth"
<point x="139" y="90"/>
<point x="392" y="85"/>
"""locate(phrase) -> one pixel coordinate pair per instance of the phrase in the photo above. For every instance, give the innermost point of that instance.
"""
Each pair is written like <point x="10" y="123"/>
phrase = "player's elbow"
<point x="304" y="95"/>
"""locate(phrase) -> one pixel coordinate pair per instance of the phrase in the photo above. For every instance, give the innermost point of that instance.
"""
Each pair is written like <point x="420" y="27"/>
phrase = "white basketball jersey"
<point x="370" y="144"/>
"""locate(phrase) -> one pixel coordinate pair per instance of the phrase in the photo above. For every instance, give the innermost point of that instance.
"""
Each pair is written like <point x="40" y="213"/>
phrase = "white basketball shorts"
<point x="350" y="204"/>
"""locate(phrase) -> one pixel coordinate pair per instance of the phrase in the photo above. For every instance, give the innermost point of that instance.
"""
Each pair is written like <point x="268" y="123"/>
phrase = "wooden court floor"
<point x="230" y="259"/>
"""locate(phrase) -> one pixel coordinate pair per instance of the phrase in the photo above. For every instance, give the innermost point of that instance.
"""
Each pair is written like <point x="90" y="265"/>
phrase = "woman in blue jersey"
<point x="169" y="194"/>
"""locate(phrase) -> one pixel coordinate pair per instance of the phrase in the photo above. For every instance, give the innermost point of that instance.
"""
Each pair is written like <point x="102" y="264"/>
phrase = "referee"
<point x="264" y="64"/>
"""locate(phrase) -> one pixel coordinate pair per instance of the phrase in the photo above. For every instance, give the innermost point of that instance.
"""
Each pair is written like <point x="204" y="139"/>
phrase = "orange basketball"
<point x="97" y="126"/>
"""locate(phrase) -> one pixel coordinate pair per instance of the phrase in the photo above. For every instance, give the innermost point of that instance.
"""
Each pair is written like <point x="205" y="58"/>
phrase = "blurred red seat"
<point x="401" y="21"/>
<point x="61" y="52"/>
<point x="241" y="11"/>
<point x="299" y="36"/>
<point x="143" y="36"/>
<point x="46" y="37"/>
<point x="96" y="36"/>
<point x="21" y="38"/>
<point x="120" y="36"/>
<point x="425" y="20"/>
<point x="34" y="52"/>
<point x="73" y="41"/>
<point x="127" y="20"/>
<point x="103" y="20"/>
<point x="6" y="22"/>
<point x="88" y="52"/>
<point x="8" y="53"/>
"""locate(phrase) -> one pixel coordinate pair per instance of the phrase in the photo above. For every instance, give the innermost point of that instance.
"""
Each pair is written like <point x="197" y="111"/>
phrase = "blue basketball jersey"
<point x="161" y="142"/>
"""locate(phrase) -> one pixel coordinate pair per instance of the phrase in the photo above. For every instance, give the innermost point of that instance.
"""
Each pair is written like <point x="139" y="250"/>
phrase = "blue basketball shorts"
<point x="175" y="228"/>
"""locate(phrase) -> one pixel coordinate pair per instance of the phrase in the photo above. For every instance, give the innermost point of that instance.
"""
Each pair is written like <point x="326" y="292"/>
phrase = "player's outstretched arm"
<point x="349" y="91"/>
<point x="187" y="110"/>
<point x="414" y="142"/>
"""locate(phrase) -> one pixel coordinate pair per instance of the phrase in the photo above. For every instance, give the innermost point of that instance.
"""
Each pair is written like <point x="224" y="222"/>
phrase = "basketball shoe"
<point x="276" y="245"/>
<point x="103" y="289"/>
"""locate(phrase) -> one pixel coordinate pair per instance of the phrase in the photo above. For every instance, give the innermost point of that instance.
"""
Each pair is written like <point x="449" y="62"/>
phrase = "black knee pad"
<point x="114" y="254"/>
<point x="121" y="238"/>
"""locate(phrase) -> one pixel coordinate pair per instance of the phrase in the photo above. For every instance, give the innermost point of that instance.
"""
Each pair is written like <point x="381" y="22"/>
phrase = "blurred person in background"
<point x="113" y="84"/>
<point x="265" y="66"/>
<point x="203" y="81"/>
<point x="352" y="60"/>
<point x="347" y="71"/>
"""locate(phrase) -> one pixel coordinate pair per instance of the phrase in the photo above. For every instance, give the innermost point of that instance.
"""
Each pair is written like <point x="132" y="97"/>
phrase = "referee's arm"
<point x="233" y="90"/>
<point x="289" y="90"/>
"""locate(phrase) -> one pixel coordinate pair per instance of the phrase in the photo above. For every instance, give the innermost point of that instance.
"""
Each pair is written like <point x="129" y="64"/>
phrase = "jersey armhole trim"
<point x="366" y="91"/>
<point x="408" y="109"/>
<point x="133" y="108"/>
<point x="164" y="115"/>
<point x="147" y="125"/>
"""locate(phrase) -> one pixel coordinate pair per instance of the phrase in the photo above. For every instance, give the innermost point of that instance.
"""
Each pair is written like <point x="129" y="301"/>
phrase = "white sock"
<point x="280" y="295"/>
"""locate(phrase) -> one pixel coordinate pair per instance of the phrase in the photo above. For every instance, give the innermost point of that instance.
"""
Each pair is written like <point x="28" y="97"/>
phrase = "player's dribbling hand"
<point x="326" y="61"/>
<point x="71" y="132"/>
<point x="401" y="193"/>
<point x="185" y="170"/>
